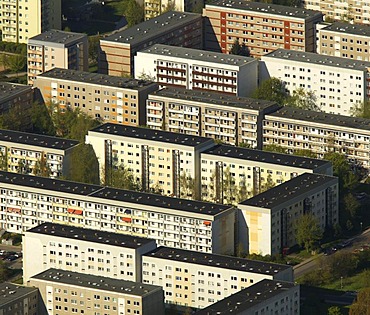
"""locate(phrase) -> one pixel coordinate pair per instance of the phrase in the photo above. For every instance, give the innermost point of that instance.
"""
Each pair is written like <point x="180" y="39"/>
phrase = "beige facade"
<point x="266" y="221"/>
<point x="230" y="119"/>
<point x="320" y="133"/>
<point x="197" y="280"/>
<point x="153" y="8"/>
<point x="56" y="49"/>
<point x="263" y="27"/>
<point x="23" y="20"/>
<point x="232" y="174"/>
<point x="18" y="300"/>
<point x="117" y="51"/>
<point x="111" y="99"/>
<point x="92" y="252"/>
<point x="14" y="95"/>
<point x="66" y="292"/>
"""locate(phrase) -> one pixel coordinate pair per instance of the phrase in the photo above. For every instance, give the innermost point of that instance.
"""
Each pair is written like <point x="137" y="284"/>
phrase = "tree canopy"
<point x="237" y="49"/>
<point x="134" y="13"/>
<point x="304" y="99"/>
<point x="307" y="231"/>
<point x="271" y="89"/>
<point x="362" y="303"/>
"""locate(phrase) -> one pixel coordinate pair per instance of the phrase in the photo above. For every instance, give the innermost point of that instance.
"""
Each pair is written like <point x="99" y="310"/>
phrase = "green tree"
<point x="237" y="49"/>
<point x="362" y="304"/>
<point x="16" y="118"/>
<point x="334" y="310"/>
<point x="305" y="153"/>
<point x="41" y="167"/>
<point x="307" y="231"/>
<point x="134" y="13"/>
<point x="41" y="120"/>
<point x="147" y="77"/>
<point x="303" y="99"/>
<point x="361" y="110"/>
<point x="15" y="62"/>
<point x="94" y="42"/>
<point x="275" y="148"/>
<point x="187" y="187"/>
<point x="171" y="6"/>
<point x="4" y="160"/>
<point x="351" y="205"/>
<point x="267" y="184"/>
<point x="229" y="187"/>
<point x="242" y="190"/>
<point x="120" y="176"/>
<point x="272" y="89"/>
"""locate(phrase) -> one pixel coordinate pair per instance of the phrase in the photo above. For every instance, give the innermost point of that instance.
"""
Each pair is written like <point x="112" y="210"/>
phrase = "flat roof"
<point x="57" y="36"/>
<point x="146" y="30"/>
<point x="36" y="140"/>
<point x="220" y="99"/>
<point x="267" y="8"/>
<point x="247" y="298"/>
<point x="297" y="186"/>
<point x="147" y="134"/>
<point x="325" y="119"/>
<point x="10" y="292"/>
<point x="348" y="29"/>
<point x="322" y="60"/>
<point x="11" y="90"/>
<point x="198" y="54"/>
<point x="138" y="198"/>
<point x="96" y="78"/>
<point x="265" y="156"/>
<point x="89" y="235"/>
<point x="218" y="261"/>
<point x="96" y="282"/>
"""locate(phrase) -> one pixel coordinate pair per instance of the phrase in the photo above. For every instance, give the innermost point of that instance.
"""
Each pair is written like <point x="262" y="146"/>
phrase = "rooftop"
<point x="10" y="292"/>
<point x="96" y="78"/>
<point x="349" y="29"/>
<point x="57" y="36"/>
<point x="218" y="261"/>
<point x="11" y="90"/>
<point x="197" y="54"/>
<point x="265" y="156"/>
<point x="296" y="187"/>
<point x="144" y="31"/>
<point x="36" y="140"/>
<point x="247" y="298"/>
<point x="88" y="235"/>
<point x="267" y="8"/>
<point x="220" y="99"/>
<point x="151" y="134"/>
<point x="325" y="119"/>
<point x="95" y="282"/>
<point x="321" y="60"/>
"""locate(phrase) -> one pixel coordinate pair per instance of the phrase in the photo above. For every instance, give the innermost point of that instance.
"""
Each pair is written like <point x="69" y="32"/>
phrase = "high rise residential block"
<point x="117" y="51"/>
<point x="111" y="99"/>
<point x="73" y="292"/>
<point x="56" y="49"/>
<point x="18" y="300"/>
<point x="230" y="119"/>
<point x="339" y="85"/>
<point x="197" y="280"/>
<point x="198" y="69"/>
<point x="295" y="129"/>
<point x="266" y="221"/>
<point x="13" y="95"/>
<point x="92" y="252"/>
<point x="166" y="160"/>
<point x="153" y="8"/>
<point x="27" y="201"/>
<point x="262" y="27"/>
<point x="21" y="20"/>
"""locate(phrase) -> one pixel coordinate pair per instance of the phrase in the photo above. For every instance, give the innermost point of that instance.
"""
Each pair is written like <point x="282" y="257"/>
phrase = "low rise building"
<point x="157" y="159"/>
<point x="29" y="153"/>
<point x="18" y="300"/>
<point x="111" y="99"/>
<point x="197" y="280"/>
<point x="230" y="119"/>
<point x="92" y="252"/>
<point x="232" y="174"/>
<point x="198" y="69"/>
<point x="56" y="49"/>
<point x="339" y="85"/>
<point x="320" y="133"/>
<point x="264" y="297"/>
<point x="27" y="201"/>
<point x="266" y="221"/>
<point x="13" y="95"/>
<point x="73" y="292"/>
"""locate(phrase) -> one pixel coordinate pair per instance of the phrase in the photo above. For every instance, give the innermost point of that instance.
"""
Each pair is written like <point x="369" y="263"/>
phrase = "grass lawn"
<point x="354" y="283"/>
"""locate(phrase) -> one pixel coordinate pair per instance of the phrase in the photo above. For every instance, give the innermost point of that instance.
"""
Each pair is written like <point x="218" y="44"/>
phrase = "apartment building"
<point x="232" y="174"/>
<point x="99" y="253"/>
<point x="18" y="300"/>
<point x="161" y="159"/>
<point x="348" y="10"/>
<point x="263" y="27"/>
<point x="197" y="280"/>
<point x="72" y="292"/>
<point x="111" y="99"/>
<point x="117" y="51"/>
<point x="28" y="201"/>
<point x="198" y="69"/>
<point x="230" y="119"/>
<point x="264" y="297"/>
<point x="22" y="20"/>
<point x="56" y="49"/>
<point x="320" y="133"/>
<point x="339" y="84"/>
<point x="29" y="153"/>
<point x="266" y="221"/>
<point x="153" y="8"/>
<point x="15" y="95"/>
